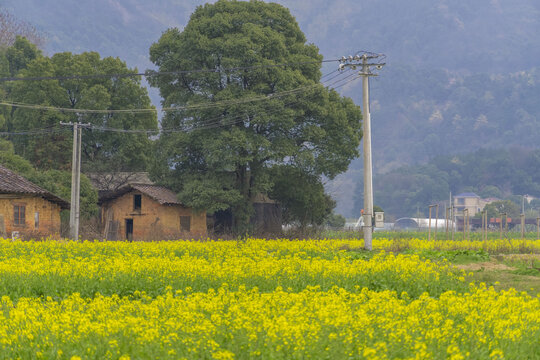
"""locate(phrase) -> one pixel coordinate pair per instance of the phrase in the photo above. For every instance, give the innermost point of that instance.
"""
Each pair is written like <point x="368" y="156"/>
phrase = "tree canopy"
<point x="42" y="153"/>
<point x="496" y="208"/>
<point x="221" y="153"/>
<point x="101" y="151"/>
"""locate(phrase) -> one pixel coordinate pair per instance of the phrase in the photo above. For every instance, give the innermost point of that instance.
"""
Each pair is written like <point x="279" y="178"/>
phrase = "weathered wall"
<point x="49" y="216"/>
<point x="471" y="203"/>
<point x="154" y="221"/>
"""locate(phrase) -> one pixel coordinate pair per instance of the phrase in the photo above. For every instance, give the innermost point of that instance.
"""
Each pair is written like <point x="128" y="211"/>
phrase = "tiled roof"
<point x="12" y="183"/>
<point x="161" y="194"/>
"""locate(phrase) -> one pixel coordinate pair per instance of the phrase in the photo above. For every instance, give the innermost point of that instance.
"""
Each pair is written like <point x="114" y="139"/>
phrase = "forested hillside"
<point x="419" y="114"/>
<point x="460" y="74"/>
<point x="479" y="36"/>
<point x="500" y="173"/>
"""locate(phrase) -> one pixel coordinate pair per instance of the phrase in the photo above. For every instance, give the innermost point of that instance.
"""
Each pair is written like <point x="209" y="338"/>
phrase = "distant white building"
<point x="408" y="223"/>
<point x="529" y="198"/>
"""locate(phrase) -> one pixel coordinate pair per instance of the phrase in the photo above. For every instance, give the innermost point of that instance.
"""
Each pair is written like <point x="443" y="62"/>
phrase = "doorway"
<point x="129" y="229"/>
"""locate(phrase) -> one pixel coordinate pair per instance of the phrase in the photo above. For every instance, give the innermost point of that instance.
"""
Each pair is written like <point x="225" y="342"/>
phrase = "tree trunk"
<point x="241" y="213"/>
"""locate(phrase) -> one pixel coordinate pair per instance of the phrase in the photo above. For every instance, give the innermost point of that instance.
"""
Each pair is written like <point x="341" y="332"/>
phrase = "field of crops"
<point x="270" y="299"/>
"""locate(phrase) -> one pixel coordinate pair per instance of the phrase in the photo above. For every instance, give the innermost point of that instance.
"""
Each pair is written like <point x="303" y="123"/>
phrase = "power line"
<point x="165" y="109"/>
<point x="152" y="73"/>
<point x="49" y="130"/>
<point x="209" y="123"/>
<point x="206" y="124"/>
<point x="175" y="108"/>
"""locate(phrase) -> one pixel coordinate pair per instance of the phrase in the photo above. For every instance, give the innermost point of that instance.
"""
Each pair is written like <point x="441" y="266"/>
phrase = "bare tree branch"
<point x="11" y="27"/>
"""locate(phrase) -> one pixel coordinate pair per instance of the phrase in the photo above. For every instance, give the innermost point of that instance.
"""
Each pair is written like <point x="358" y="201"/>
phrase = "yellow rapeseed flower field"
<point x="268" y="299"/>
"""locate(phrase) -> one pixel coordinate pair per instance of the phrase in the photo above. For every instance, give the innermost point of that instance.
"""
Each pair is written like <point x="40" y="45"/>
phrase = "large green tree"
<point x="301" y="196"/>
<point x="101" y="151"/>
<point x="220" y="154"/>
<point x="496" y="208"/>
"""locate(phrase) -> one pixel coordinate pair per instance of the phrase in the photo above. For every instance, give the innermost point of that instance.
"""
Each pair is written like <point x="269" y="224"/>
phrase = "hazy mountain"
<point x="481" y="35"/>
<point x="460" y="74"/>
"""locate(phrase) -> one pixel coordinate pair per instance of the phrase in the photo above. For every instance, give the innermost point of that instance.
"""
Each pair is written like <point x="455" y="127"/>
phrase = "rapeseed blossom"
<point x="245" y="323"/>
<point x="268" y="299"/>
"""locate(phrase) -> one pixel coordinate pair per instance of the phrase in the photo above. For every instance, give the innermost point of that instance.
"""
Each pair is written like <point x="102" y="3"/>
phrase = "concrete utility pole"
<point x="75" y="179"/>
<point x="367" y="61"/>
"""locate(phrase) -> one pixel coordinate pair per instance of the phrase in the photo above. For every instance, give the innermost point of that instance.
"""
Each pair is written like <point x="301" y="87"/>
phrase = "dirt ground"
<point x="519" y="271"/>
<point x="488" y="266"/>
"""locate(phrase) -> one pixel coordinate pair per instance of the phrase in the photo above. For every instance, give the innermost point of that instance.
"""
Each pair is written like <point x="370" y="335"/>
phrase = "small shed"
<point x="26" y="208"/>
<point x="148" y="212"/>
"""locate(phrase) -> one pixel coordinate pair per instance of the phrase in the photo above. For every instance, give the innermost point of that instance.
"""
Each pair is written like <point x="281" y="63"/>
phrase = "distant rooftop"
<point x="12" y="183"/>
<point x="467" y="194"/>
<point x="159" y="193"/>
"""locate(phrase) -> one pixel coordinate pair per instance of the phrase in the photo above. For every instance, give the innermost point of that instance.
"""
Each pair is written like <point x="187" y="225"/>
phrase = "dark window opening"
<point x="19" y="216"/>
<point x="36" y="220"/>
<point x="185" y="223"/>
<point x="137" y="202"/>
<point x="129" y="229"/>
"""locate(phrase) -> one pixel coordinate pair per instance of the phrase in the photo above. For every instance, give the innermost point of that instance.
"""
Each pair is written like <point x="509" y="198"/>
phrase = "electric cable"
<point x="207" y="123"/>
<point x="165" y="109"/>
<point x="152" y="73"/>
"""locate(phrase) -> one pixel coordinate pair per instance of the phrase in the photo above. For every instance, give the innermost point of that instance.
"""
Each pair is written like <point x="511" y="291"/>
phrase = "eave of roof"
<point x="161" y="194"/>
<point x="13" y="183"/>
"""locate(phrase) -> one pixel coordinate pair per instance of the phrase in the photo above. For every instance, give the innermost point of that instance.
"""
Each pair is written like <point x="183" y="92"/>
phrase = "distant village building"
<point x="470" y="201"/>
<point x="148" y="212"/>
<point x="265" y="221"/>
<point x="26" y="209"/>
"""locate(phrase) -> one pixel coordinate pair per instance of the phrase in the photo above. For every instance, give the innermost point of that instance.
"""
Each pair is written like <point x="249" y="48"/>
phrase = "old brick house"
<point x="148" y="212"/>
<point x="27" y="208"/>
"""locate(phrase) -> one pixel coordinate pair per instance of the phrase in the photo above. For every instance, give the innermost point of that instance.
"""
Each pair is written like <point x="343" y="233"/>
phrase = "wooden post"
<point x="453" y="216"/>
<point x="446" y="222"/>
<point x="436" y="220"/>
<point x="486" y="223"/>
<point x="482" y="225"/>
<point x="429" y="225"/>
<point x="538" y="228"/>
<point x="522" y="216"/>
<point x="484" y="215"/>
<point x="468" y="227"/>
<point x="500" y="232"/>
<point x="465" y="222"/>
